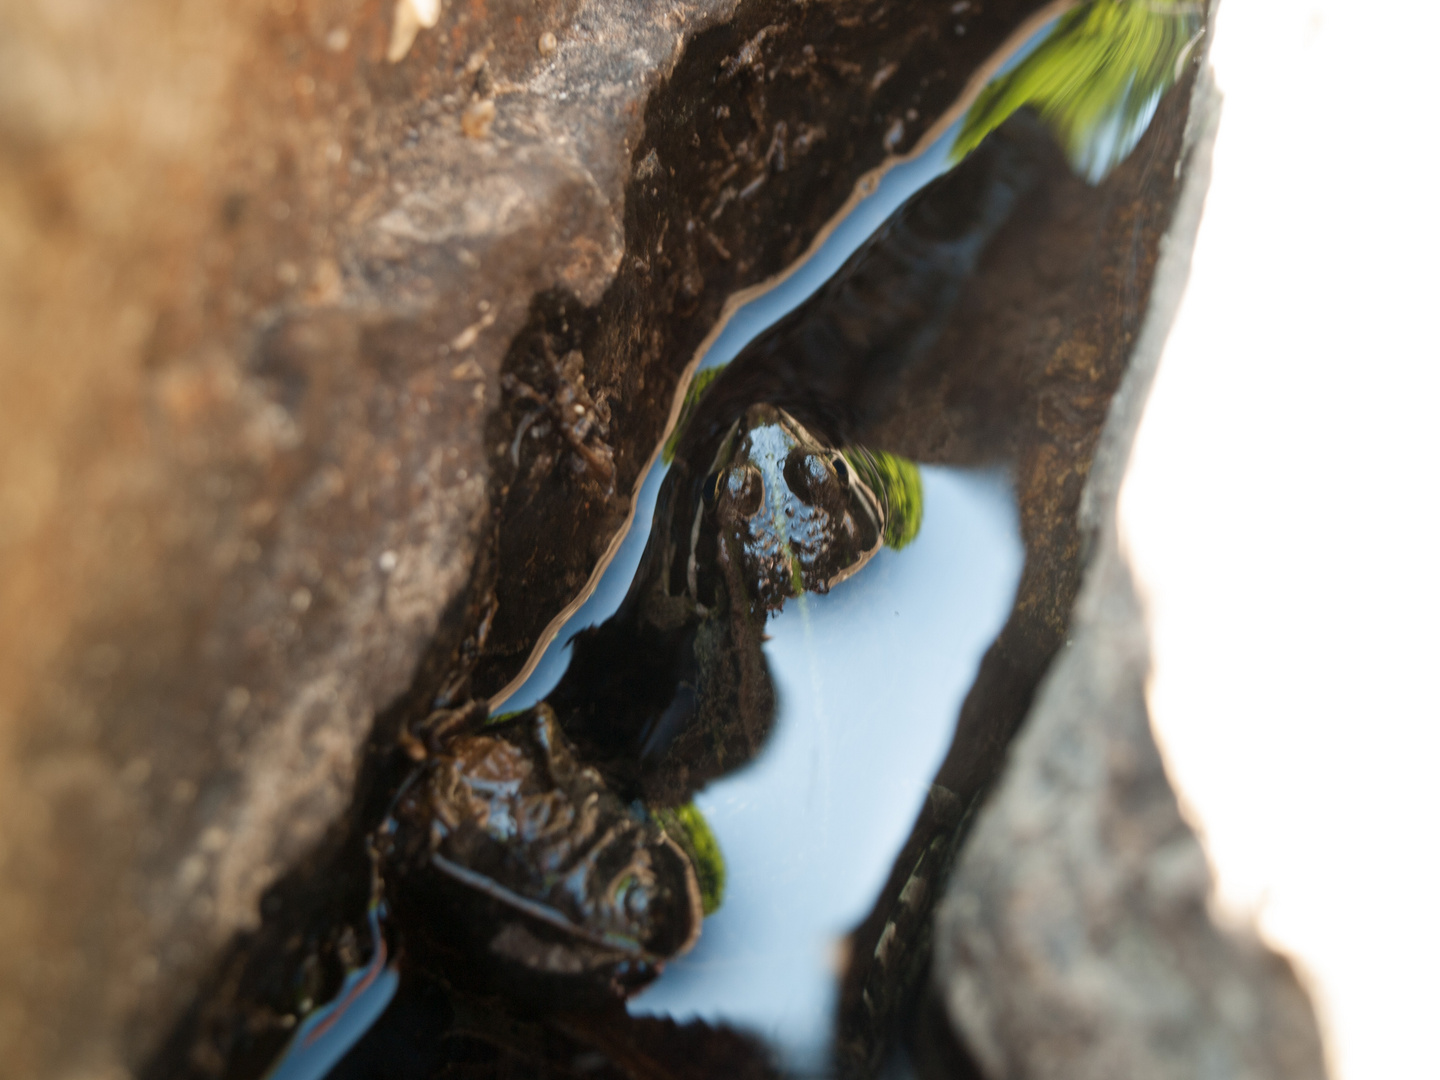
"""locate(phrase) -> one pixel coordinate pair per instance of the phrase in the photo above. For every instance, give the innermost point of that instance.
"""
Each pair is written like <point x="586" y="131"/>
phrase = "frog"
<point x="790" y="511"/>
<point x="510" y="865"/>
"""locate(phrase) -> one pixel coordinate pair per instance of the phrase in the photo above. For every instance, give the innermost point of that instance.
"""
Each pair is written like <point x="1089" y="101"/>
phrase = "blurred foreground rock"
<point x="1074" y="939"/>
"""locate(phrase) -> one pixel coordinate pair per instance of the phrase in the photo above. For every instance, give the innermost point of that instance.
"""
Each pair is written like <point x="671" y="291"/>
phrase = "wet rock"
<point x="1074" y="938"/>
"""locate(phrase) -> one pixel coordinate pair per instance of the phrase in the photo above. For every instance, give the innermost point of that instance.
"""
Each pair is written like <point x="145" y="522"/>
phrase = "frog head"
<point x="790" y="511"/>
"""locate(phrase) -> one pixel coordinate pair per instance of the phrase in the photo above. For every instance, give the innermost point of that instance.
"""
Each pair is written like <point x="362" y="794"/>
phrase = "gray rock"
<point x="1074" y="939"/>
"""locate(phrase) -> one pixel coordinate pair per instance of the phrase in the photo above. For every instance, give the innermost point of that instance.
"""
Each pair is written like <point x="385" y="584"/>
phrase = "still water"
<point x="870" y="677"/>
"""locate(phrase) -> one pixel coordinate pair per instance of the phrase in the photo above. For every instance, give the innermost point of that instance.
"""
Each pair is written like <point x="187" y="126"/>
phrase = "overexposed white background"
<point x="1281" y="511"/>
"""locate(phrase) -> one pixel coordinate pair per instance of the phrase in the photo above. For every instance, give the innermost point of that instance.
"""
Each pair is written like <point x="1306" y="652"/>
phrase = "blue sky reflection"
<point x="871" y="678"/>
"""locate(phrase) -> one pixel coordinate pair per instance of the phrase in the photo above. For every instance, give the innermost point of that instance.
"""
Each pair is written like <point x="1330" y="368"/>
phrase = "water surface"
<point x="871" y="678"/>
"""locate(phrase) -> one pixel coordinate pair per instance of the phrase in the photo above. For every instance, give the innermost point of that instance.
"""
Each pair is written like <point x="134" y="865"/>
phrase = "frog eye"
<point x="806" y="474"/>
<point x="711" y="490"/>
<point x="842" y="470"/>
<point x="746" y="490"/>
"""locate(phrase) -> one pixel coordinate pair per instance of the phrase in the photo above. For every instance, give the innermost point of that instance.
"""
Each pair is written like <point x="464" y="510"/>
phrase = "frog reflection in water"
<point x="512" y="863"/>
<point x="511" y="866"/>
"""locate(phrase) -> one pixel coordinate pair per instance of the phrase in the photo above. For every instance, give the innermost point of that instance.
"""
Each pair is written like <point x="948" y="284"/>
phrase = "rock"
<point x="259" y="281"/>
<point x="1074" y="938"/>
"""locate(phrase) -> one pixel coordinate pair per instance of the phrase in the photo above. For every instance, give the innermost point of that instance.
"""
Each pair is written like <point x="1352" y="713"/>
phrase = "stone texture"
<point x="1074" y="938"/>
<point x="257" y="285"/>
